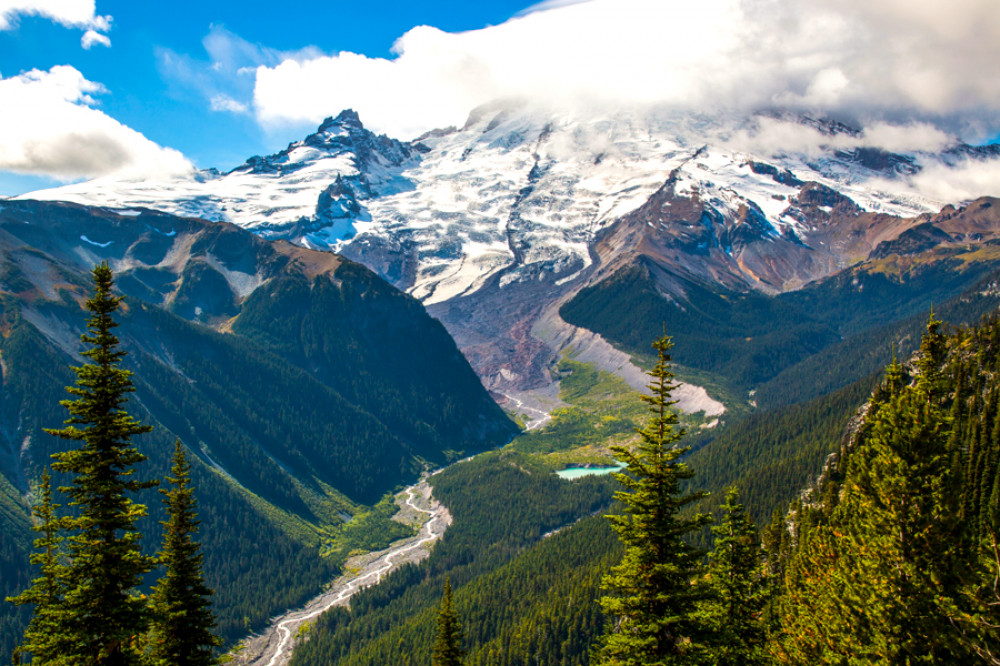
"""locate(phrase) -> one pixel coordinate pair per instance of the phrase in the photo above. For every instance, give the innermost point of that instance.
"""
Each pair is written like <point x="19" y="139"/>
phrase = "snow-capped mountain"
<point x="496" y="224"/>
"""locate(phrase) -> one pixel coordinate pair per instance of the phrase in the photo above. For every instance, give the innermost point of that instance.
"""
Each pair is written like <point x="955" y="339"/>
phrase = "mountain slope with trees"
<point x="284" y="448"/>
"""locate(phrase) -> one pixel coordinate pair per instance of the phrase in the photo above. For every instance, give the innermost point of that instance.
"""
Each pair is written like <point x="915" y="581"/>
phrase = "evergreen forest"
<point x="888" y="557"/>
<point x="844" y="511"/>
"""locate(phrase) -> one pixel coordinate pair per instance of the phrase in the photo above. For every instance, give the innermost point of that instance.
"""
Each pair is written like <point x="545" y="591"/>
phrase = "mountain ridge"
<point x="495" y="225"/>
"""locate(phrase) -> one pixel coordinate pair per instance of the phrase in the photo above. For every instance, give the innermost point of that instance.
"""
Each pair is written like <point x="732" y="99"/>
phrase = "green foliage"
<point x="652" y="598"/>
<point x="254" y="565"/>
<point x="734" y="610"/>
<point x="101" y="612"/>
<point x="182" y="619"/>
<point x="15" y="569"/>
<point x="44" y="638"/>
<point x="368" y="531"/>
<point x="777" y="544"/>
<point x="881" y="572"/>
<point x="447" y="649"/>
<point x="770" y="456"/>
<point x="601" y="409"/>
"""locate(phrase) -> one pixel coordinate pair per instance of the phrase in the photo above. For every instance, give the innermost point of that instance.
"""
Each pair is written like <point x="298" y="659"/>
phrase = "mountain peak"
<point x="346" y="118"/>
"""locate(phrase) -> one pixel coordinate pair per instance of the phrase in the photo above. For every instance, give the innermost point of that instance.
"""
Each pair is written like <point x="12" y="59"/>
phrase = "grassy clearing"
<point x="341" y="527"/>
<point x="369" y="530"/>
<point x="603" y="410"/>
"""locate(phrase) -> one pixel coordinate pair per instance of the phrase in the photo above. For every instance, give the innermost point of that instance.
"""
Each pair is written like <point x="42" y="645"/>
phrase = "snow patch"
<point x="87" y="240"/>
<point x="242" y="284"/>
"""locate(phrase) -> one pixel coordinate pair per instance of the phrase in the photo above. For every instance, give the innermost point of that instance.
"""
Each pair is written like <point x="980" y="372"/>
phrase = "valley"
<point x="564" y="333"/>
<point x="488" y="295"/>
<point x="417" y="507"/>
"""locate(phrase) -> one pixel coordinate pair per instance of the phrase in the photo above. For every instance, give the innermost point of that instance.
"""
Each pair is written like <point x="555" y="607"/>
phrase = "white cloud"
<point x="904" y="61"/>
<point x="223" y="102"/>
<point x="48" y="127"/>
<point x="766" y="135"/>
<point x="92" y="37"/>
<point x="949" y="184"/>
<point x="226" y="78"/>
<point x="80" y="14"/>
<point x="907" y="138"/>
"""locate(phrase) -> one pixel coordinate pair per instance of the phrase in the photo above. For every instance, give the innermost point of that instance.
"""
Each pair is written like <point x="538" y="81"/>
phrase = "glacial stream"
<point x="274" y="646"/>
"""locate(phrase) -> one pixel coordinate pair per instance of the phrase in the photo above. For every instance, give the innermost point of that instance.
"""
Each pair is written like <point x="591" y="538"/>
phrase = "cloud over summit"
<point x="901" y="61"/>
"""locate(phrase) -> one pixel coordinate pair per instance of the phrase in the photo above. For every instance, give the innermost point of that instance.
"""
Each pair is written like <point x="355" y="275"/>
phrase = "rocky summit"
<point x="497" y="225"/>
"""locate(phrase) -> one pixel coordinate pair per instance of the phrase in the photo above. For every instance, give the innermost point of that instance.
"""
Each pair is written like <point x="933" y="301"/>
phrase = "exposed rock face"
<point x="495" y="224"/>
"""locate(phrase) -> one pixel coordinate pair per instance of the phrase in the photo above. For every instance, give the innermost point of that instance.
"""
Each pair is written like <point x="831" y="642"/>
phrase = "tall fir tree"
<point x="105" y="616"/>
<point x="447" y="649"/>
<point x="652" y="600"/>
<point x="44" y="639"/>
<point x="182" y="619"/>
<point x="734" y="612"/>
<point x="930" y="378"/>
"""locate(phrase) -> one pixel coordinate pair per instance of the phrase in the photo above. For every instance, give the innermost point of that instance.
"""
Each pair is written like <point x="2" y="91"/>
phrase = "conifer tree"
<point x="43" y="638"/>
<point x="932" y="349"/>
<point x="878" y="583"/>
<point x="777" y="545"/>
<point x="104" y="614"/>
<point x="182" y="619"/>
<point x="447" y="649"/>
<point x="652" y="602"/>
<point x="735" y="610"/>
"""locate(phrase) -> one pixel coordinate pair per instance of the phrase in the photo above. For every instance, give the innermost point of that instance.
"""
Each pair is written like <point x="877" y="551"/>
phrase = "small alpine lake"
<point x="571" y="473"/>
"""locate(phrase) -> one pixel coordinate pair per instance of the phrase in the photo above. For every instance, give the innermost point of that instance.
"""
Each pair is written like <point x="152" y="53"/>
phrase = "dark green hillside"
<point x="255" y="566"/>
<point x="540" y="607"/>
<point x="210" y="394"/>
<point x="887" y="289"/>
<point x="865" y="353"/>
<point x="743" y="337"/>
<point x="895" y="556"/>
<point x="289" y="438"/>
<point x="771" y="456"/>
<point x="835" y="328"/>
<point x="410" y="368"/>
<point x="15" y="574"/>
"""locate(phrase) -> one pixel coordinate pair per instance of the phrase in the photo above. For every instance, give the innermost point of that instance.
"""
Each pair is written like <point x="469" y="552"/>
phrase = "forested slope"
<point x="287" y="435"/>
<point x="503" y="505"/>
<point x="894" y="555"/>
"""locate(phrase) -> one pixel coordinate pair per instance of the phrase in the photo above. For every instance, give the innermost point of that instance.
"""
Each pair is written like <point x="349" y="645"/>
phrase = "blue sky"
<point x="145" y="96"/>
<point x="92" y="88"/>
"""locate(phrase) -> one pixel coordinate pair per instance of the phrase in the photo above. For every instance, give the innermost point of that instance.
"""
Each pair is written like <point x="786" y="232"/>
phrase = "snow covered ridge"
<point x="495" y="224"/>
<point x="516" y="187"/>
<point x="313" y="184"/>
